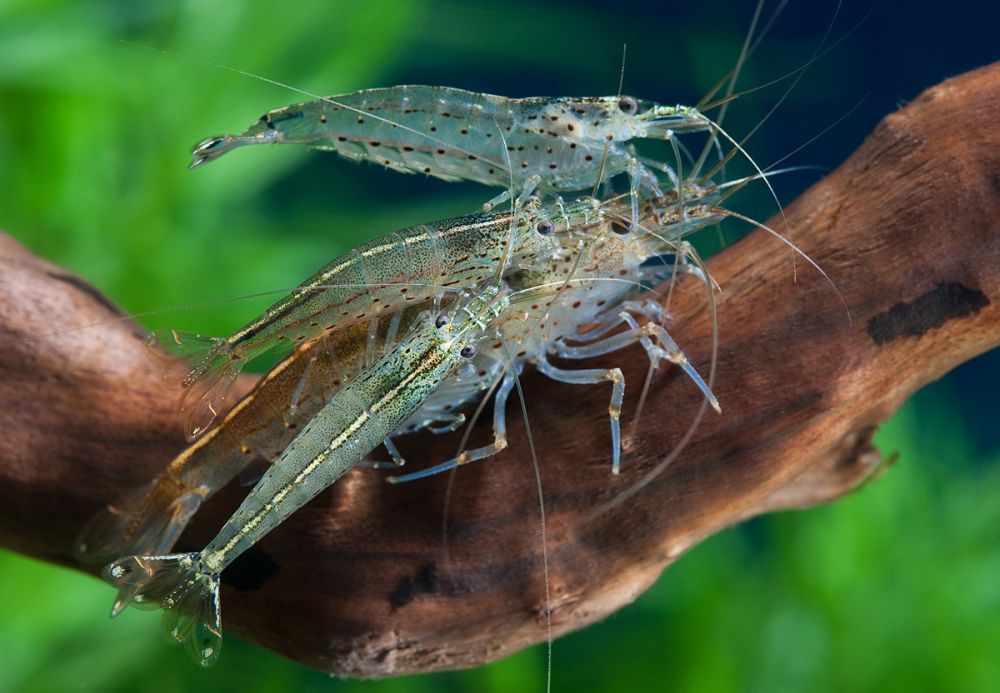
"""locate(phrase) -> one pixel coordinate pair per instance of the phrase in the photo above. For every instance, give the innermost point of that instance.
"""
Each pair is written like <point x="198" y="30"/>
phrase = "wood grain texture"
<point x="360" y="581"/>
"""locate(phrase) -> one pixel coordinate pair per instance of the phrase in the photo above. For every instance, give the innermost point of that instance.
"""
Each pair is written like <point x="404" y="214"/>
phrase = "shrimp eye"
<point x="441" y="320"/>
<point x="544" y="227"/>
<point x="628" y="105"/>
<point x="620" y="228"/>
<point x="468" y="351"/>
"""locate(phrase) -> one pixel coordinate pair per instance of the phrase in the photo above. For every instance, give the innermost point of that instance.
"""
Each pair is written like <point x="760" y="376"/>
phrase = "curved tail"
<point x="187" y="592"/>
<point x="146" y="522"/>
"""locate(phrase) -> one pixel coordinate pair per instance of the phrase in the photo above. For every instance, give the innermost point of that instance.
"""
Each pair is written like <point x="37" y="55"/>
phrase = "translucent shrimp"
<point x="602" y="267"/>
<point x="381" y="276"/>
<point x="572" y="143"/>
<point x="378" y="278"/>
<point x="149" y="520"/>
<point x="354" y="421"/>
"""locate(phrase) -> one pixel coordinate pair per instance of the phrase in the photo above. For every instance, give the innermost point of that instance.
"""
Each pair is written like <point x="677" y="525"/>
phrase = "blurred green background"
<point x="896" y="586"/>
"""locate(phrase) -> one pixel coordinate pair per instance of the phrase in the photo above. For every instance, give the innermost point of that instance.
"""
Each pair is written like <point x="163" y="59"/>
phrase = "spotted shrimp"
<point x="149" y="520"/>
<point x="399" y="269"/>
<point x="571" y="143"/>
<point x="374" y="279"/>
<point x="348" y="427"/>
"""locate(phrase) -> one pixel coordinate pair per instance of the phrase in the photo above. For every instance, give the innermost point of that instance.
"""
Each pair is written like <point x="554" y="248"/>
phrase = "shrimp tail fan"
<point x="213" y="147"/>
<point x="187" y="592"/>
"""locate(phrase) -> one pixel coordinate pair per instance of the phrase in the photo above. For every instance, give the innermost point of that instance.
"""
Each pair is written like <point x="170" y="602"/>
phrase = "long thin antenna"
<point x="541" y="512"/>
<point x="732" y="76"/>
<point x="607" y="143"/>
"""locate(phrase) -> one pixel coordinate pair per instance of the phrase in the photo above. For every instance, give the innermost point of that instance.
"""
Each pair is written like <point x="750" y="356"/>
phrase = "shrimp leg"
<point x="499" y="439"/>
<point x="592" y="376"/>
<point x="666" y="349"/>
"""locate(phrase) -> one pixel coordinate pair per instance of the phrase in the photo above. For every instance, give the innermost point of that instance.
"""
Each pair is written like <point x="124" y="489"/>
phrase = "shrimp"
<point x="606" y="264"/>
<point x="572" y="143"/>
<point x="354" y="421"/>
<point x="399" y="269"/>
<point x="376" y="278"/>
<point x="149" y="520"/>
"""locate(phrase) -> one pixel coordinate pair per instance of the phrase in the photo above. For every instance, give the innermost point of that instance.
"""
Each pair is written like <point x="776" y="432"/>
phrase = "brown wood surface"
<point x="360" y="581"/>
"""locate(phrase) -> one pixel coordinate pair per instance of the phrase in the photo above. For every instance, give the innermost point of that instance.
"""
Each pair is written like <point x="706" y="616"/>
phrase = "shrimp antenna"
<point x="541" y="512"/>
<point x="326" y="99"/>
<point x="607" y="143"/>
<point x="234" y="299"/>
<point x="715" y="104"/>
<point x="745" y="53"/>
<point x="722" y="162"/>
<point x="733" y="75"/>
<point x="799" y="251"/>
<point x="734" y="186"/>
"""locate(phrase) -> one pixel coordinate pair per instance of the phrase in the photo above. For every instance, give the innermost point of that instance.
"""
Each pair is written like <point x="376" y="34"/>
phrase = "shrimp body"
<point x="355" y="420"/>
<point x="263" y="423"/>
<point x="455" y="134"/>
<point x="382" y="276"/>
<point x="151" y="518"/>
<point x="606" y="261"/>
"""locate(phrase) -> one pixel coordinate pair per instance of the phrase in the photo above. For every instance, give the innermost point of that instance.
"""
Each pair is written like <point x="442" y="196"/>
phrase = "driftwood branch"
<point x="360" y="581"/>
